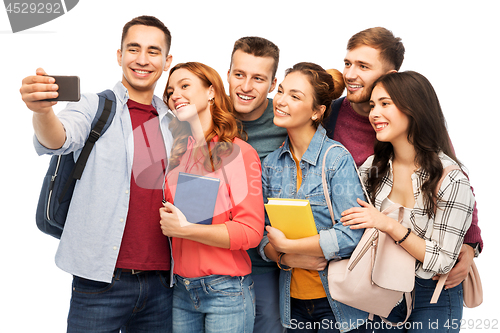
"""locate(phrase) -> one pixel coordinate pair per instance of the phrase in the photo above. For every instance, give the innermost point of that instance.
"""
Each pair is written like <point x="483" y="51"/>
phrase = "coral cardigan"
<point x="244" y="221"/>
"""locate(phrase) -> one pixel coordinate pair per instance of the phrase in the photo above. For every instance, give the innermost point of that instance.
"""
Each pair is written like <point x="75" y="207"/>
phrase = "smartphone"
<point x="69" y="88"/>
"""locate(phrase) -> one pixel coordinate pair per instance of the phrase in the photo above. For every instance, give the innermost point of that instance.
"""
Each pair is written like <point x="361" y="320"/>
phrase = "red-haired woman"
<point x="213" y="291"/>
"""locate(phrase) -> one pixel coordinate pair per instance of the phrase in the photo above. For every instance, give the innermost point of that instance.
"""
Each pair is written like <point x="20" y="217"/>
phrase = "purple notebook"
<point x="195" y="196"/>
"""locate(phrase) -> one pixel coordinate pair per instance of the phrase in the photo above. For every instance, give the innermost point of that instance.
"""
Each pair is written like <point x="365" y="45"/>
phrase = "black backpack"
<point x="331" y="121"/>
<point x="60" y="180"/>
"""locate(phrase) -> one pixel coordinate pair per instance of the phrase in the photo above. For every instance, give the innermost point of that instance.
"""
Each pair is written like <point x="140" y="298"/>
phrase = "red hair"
<point x="224" y="124"/>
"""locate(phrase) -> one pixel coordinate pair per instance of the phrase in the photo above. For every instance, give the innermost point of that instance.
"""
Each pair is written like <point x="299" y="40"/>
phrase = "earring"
<point x="314" y="117"/>
<point x="211" y="101"/>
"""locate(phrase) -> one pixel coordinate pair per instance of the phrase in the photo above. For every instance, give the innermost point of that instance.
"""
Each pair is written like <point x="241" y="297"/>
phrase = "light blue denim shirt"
<point x="96" y="218"/>
<point x="279" y="174"/>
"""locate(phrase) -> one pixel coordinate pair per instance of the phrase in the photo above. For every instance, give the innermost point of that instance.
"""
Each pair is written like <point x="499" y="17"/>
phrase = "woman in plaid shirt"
<point x="411" y="151"/>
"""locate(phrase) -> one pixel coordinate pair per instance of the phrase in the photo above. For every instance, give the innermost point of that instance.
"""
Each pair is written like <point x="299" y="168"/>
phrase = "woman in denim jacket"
<point x="294" y="171"/>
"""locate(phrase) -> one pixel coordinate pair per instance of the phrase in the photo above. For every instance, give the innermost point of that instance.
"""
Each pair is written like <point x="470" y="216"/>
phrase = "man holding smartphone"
<point x="112" y="243"/>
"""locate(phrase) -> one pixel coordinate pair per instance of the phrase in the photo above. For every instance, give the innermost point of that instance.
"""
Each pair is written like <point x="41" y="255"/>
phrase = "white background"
<point x="454" y="44"/>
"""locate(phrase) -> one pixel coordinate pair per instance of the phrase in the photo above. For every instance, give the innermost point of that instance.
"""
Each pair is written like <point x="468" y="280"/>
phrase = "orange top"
<point x="305" y="284"/>
<point x="243" y="171"/>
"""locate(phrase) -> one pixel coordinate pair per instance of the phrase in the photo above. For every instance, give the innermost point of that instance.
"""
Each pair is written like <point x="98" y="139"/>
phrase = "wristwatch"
<point x="476" y="248"/>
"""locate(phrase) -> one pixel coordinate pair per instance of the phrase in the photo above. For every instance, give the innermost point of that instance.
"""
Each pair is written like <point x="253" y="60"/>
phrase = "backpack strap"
<point x="331" y="121"/>
<point x="101" y="108"/>
<point x="105" y="113"/>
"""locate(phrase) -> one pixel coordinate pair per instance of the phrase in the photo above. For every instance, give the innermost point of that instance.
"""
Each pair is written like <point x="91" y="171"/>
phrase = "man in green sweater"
<point x="251" y="77"/>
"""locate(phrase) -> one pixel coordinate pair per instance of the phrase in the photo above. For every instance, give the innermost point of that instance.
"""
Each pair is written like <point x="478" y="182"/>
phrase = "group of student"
<point x="239" y="274"/>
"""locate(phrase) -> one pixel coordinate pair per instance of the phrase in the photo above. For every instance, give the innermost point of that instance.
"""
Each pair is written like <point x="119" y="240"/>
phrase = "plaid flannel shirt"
<point x="443" y="234"/>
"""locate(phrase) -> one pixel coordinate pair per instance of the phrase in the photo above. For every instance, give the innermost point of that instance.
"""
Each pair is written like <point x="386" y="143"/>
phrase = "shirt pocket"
<point x="316" y="199"/>
<point x="274" y="187"/>
<point x="313" y="190"/>
<point x="274" y="191"/>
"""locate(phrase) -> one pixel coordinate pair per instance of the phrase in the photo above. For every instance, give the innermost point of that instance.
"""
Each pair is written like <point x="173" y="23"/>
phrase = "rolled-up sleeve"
<point x="453" y="218"/>
<point x="76" y="119"/>
<point x="247" y="225"/>
<point x="344" y="188"/>
<point x="339" y="241"/>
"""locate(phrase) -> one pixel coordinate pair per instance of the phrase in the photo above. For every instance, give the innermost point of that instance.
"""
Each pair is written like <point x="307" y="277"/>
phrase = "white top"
<point x="443" y="234"/>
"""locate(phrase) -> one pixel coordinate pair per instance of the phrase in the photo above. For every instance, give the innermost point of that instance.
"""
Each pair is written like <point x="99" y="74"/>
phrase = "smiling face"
<point x="362" y="67"/>
<point x="250" y="79"/>
<point x="143" y="58"/>
<point x="293" y="103"/>
<point x="390" y="124"/>
<point x="188" y="97"/>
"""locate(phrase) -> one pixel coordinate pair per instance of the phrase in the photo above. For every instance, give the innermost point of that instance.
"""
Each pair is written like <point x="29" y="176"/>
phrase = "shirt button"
<point x="115" y="248"/>
<point x="126" y="191"/>
<point x="121" y="220"/>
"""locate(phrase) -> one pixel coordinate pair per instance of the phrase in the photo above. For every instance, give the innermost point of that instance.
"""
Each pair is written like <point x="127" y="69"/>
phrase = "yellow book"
<point x="292" y="216"/>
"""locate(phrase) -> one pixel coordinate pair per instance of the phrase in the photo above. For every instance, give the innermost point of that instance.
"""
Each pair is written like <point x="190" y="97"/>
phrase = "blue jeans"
<point x="315" y="316"/>
<point x="215" y="303"/>
<point x="444" y="316"/>
<point x="267" y="303"/>
<point x="131" y="303"/>
<point x="311" y="316"/>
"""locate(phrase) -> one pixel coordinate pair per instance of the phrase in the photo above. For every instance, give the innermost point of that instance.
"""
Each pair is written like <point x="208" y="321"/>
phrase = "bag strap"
<point x="374" y="236"/>
<point x="105" y="110"/>
<point x="442" y="278"/>
<point x="409" y="307"/>
<point x="388" y="210"/>
<point x="331" y="121"/>
<point x="325" y="184"/>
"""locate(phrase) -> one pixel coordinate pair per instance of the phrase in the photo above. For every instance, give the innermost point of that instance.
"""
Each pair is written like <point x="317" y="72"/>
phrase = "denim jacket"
<point x="279" y="174"/>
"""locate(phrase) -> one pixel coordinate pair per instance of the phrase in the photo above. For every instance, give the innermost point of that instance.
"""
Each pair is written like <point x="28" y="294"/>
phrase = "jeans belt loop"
<point x="117" y="273"/>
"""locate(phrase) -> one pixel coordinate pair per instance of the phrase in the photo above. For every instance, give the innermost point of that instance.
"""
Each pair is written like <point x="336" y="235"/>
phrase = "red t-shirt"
<point x="244" y="184"/>
<point x="355" y="132"/>
<point x="144" y="247"/>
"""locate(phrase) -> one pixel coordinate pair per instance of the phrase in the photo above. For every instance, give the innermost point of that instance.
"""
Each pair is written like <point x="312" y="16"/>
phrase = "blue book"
<point x="195" y="196"/>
